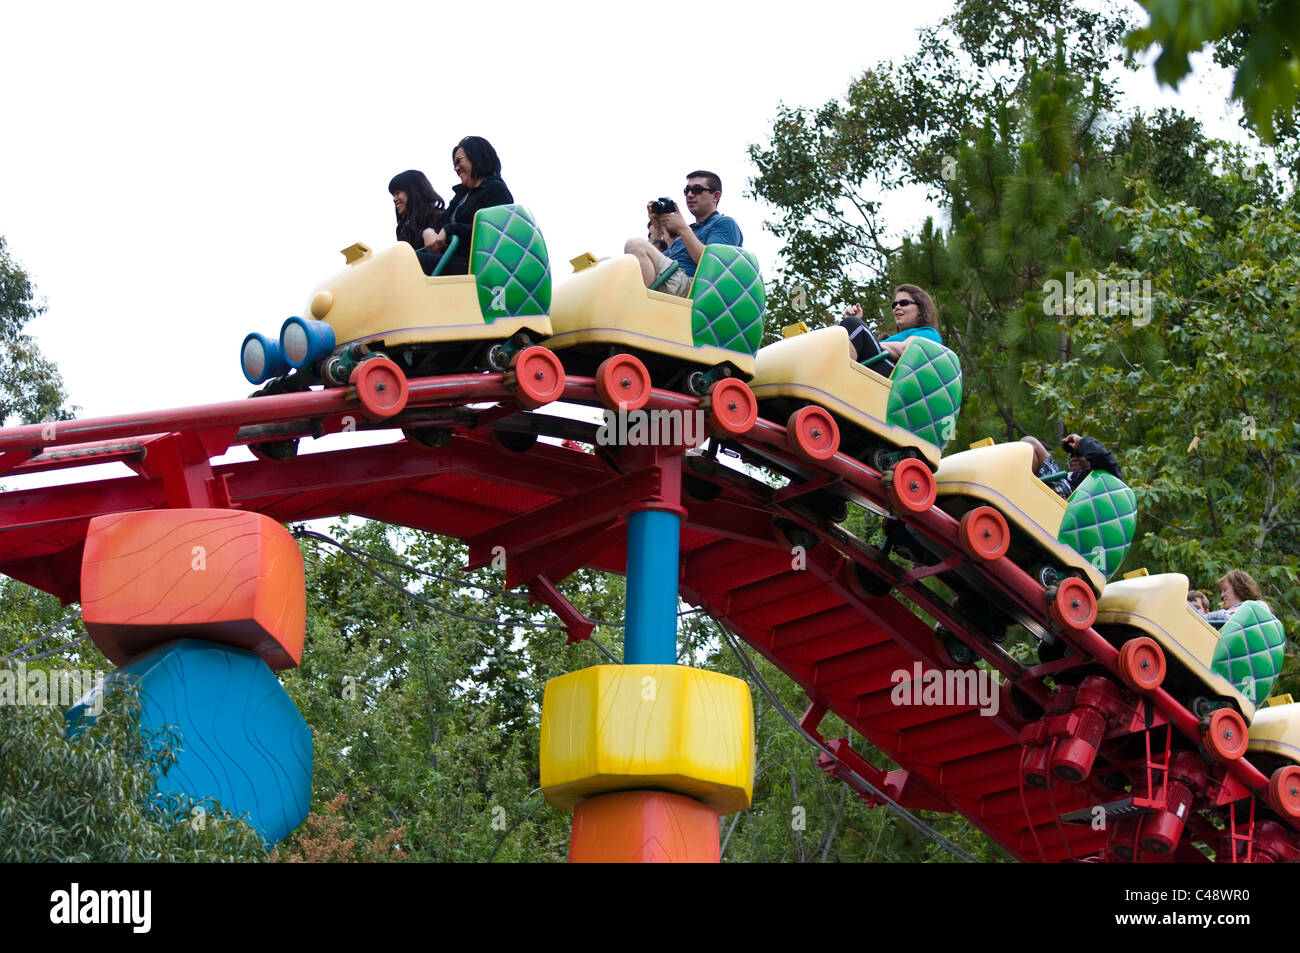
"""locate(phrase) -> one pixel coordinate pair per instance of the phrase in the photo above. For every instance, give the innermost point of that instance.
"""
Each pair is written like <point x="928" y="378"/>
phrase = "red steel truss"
<point x="556" y="509"/>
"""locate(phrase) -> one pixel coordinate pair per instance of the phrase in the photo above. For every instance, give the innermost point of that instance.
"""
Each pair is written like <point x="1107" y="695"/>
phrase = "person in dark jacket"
<point x="1086" y="455"/>
<point x="479" y="169"/>
<point x="417" y="206"/>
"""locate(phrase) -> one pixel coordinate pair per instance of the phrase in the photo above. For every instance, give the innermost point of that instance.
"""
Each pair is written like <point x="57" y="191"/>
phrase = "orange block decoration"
<point x="226" y="576"/>
<point x="643" y="827"/>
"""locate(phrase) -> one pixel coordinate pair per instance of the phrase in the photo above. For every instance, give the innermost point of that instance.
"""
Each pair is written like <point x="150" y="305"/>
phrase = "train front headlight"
<point x="304" y="342"/>
<point x="262" y="358"/>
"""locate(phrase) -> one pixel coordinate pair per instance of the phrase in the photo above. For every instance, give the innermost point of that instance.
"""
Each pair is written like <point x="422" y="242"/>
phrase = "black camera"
<point x="663" y="206"/>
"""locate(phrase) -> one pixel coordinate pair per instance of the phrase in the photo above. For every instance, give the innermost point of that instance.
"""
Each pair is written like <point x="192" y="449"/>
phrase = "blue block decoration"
<point x="242" y="740"/>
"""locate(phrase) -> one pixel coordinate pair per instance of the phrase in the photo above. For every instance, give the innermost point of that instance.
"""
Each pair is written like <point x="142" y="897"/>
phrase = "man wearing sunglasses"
<point x="703" y="189"/>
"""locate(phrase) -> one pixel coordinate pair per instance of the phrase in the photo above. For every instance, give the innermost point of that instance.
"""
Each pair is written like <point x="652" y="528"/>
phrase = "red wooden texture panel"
<point x="227" y="576"/>
<point x="643" y="827"/>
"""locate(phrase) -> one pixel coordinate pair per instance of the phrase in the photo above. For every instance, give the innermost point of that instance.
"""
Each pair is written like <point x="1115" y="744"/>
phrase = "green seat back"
<point x="508" y="257"/>
<point x="1250" y="649"/>
<point x="1100" y="520"/>
<point x="925" y="391"/>
<point x="727" y="300"/>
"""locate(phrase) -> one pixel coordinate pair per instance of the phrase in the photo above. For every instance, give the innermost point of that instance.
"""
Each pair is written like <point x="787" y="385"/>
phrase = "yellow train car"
<point x="831" y="403"/>
<point x="1086" y="536"/>
<point x="607" y="324"/>
<point x="382" y="303"/>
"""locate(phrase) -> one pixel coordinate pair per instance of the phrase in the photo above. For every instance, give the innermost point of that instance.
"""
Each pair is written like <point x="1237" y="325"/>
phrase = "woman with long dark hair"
<point x="417" y="205"/>
<point x="476" y="164"/>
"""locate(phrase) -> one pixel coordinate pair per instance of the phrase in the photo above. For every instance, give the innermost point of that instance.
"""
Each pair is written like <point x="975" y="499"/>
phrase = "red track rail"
<point x="562" y="512"/>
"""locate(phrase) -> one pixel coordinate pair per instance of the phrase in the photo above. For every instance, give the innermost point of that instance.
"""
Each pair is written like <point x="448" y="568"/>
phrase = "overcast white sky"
<point x="175" y="175"/>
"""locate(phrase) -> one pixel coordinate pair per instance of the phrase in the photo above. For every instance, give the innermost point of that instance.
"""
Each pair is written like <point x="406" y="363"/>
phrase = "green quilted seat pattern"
<point x="508" y="257"/>
<point x="925" y="391"/>
<point x="1099" y="522"/>
<point x="1249" y="651"/>
<point x="728" y="300"/>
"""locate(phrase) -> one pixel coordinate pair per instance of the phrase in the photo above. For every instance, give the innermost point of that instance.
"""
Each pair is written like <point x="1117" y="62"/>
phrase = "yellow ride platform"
<point x="1276" y="730"/>
<point x="385" y="297"/>
<point x="1002" y="476"/>
<point x="1157" y="606"/>
<point x="818" y="368"/>
<point x="609" y="303"/>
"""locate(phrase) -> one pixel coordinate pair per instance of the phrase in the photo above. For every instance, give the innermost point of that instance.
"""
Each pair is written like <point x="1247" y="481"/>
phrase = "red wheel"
<point x="984" y="534"/>
<point x="813" y="434"/>
<point x="536" y="376"/>
<point x="1142" y="664"/>
<point x="1225" y="737"/>
<point x="1284" y="791"/>
<point x="731" y="406"/>
<point x="911" y="486"/>
<point x="622" y="381"/>
<point x="1074" y="606"/>
<point x="381" y="386"/>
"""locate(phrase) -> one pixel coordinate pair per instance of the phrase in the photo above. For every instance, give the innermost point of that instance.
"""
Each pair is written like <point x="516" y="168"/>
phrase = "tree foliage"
<point x="93" y="797"/>
<point x="1055" y="184"/>
<point x="901" y="127"/>
<point x="1210" y="430"/>
<point x="1259" y="38"/>
<point x="31" y="389"/>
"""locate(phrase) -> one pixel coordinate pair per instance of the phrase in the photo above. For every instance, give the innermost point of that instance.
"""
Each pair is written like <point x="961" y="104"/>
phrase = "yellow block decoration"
<point x="631" y="727"/>
<point x="1137" y="573"/>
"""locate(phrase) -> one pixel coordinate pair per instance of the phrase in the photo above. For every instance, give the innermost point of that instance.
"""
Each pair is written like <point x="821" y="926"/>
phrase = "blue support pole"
<point x="652" y="550"/>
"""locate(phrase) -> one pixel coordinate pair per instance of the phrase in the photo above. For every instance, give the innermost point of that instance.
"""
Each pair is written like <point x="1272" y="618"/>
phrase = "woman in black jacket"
<point x="479" y="169"/>
<point x="417" y="206"/>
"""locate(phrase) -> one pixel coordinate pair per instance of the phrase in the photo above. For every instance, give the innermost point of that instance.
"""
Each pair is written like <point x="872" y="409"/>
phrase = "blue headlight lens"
<point x="304" y="342"/>
<point x="261" y="358"/>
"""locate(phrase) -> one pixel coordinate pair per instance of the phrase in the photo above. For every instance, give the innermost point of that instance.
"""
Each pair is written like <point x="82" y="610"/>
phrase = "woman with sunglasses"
<point x="914" y="315"/>
<point x="476" y="164"/>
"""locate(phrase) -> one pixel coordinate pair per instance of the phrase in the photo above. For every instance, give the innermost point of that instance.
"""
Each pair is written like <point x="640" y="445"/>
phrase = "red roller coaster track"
<point x="818" y="620"/>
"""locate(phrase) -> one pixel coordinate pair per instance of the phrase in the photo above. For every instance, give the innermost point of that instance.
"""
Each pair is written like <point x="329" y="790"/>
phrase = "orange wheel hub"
<point x="536" y="376"/>
<point x="1074" y="606"/>
<point x="1142" y="664"/>
<point x="731" y="407"/>
<point x="813" y="433"/>
<point x="1226" y="737"/>
<point x="381" y="386"/>
<point x="622" y="381"/>
<point x="911" y="486"/>
<point x="1284" y="791"/>
<point x="984" y="534"/>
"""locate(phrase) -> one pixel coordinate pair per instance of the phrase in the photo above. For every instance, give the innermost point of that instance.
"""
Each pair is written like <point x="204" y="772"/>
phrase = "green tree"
<point x="1210" y="431"/>
<point x="92" y="798"/>
<point x="1259" y="38"/>
<point x="31" y="389"/>
<point x="829" y="171"/>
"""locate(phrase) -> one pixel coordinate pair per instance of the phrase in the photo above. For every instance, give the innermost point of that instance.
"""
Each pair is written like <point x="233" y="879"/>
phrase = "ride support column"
<point x="199" y="607"/>
<point x="650" y="753"/>
<point x="650" y="614"/>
